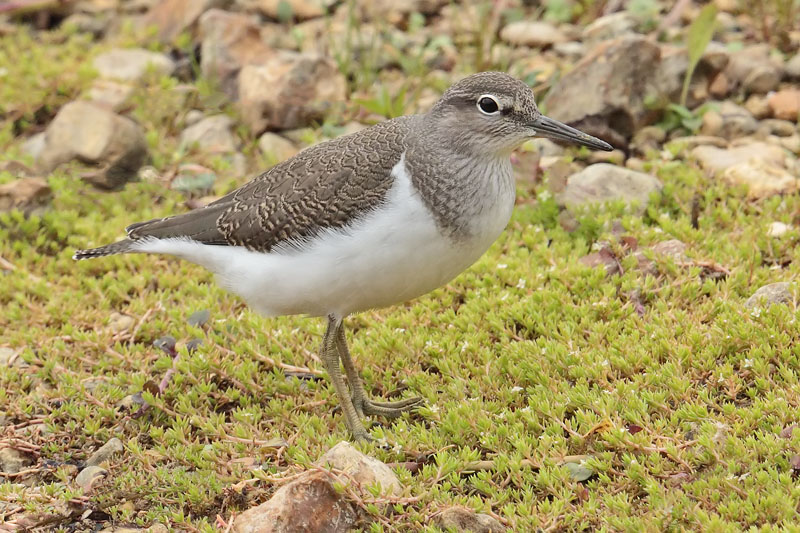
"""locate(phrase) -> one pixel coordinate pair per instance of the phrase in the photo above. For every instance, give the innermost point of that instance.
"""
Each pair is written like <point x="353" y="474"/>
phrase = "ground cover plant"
<point x="574" y="378"/>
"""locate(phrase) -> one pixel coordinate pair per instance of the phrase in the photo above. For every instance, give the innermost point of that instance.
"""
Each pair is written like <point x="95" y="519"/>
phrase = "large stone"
<point x="131" y="64"/>
<point x="110" y="94"/>
<point x="13" y="461"/>
<point x="609" y="27"/>
<point x="604" y="182"/>
<point x="785" y="104"/>
<point x="105" y="452"/>
<point x="93" y="134"/>
<point x="462" y="519"/>
<point x="753" y="70"/>
<point x="276" y="148"/>
<point x="532" y="33"/>
<point x="762" y="178"/>
<point x="774" y="293"/>
<point x="365" y="470"/>
<point x="211" y="135"/>
<point x="26" y="194"/>
<point x="715" y="160"/>
<point x="735" y="121"/>
<point x="90" y="475"/>
<point x="309" y="504"/>
<point x="230" y="41"/>
<point x="605" y="93"/>
<point x="34" y="145"/>
<point x="793" y="67"/>
<point x="172" y="17"/>
<point x="301" y="88"/>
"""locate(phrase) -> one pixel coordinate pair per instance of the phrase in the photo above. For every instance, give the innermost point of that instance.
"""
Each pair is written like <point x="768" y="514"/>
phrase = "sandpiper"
<point x="367" y="220"/>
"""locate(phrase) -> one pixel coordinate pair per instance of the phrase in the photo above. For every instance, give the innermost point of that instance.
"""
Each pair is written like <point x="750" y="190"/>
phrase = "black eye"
<point x="488" y="105"/>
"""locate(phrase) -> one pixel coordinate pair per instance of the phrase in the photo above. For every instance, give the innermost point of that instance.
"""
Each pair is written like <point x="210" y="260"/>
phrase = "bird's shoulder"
<point x="325" y="186"/>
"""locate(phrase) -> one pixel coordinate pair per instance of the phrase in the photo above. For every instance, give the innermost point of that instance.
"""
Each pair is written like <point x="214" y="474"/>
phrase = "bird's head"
<point x="493" y="113"/>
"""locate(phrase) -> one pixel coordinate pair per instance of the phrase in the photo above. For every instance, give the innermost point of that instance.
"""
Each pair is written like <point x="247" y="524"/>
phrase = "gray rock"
<point x="604" y="182"/>
<point x="310" y="503"/>
<point x="211" y="135"/>
<point x="34" y="145"/>
<point x="193" y="116"/>
<point x="172" y="17"/>
<point x="781" y="128"/>
<point x="275" y="147"/>
<point x="462" y="519"/>
<point x="87" y="477"/>
<point x="774" y="293"/>
<point x="714" y="159"/>
<point x="28" y="195"/>
<point x="93" y="134"/>
<point x="363" y="469"/>
<point x="758" y="106"/>
<point x="778" y="229"/>
<point x="302" y="88"/>
<point x="753" y="70"/>
<point x="672" y="248"/>
<point x="793" y="67"/>
<point x="532" y="33"/>
<point x="7" y="357"/>
<point x="228" y="42"/>
<point x="609" y="27"/>
<point x="571" y="50"/>
<point x="110" y="94"/>
<point x="735" y="121"/>
<point x="13" y="461"/>
<point x="648" y="138"/>
<point x="131" y="64"/>
<point x="763" y="179"/>
<point x="105" y="452"/>
<point x="605" y="93"/>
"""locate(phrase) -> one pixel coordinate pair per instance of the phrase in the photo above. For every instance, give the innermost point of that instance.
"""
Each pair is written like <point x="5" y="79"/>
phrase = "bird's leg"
<point x="363" y="405"/>
<point x="330" y="356"/>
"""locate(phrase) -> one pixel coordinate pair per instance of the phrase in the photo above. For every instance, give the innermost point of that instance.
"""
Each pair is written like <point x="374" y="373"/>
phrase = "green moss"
<point x="524" y="359"/>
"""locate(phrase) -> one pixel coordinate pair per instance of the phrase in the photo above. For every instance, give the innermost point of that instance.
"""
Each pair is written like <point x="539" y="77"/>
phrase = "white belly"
<point x="390" y="256"/>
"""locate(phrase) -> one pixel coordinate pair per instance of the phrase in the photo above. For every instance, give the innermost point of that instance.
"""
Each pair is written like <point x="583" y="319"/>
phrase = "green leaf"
<point x="700" y="33"/>
<point x="578" y="471"/>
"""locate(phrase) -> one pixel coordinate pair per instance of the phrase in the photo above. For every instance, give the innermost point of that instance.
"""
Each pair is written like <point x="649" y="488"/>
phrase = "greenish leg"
<point x="330" y="357"/>
<point x="363" y="405"/>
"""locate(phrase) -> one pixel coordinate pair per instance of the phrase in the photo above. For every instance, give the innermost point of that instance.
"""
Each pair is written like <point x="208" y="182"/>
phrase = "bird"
<point x="364" y="221"/>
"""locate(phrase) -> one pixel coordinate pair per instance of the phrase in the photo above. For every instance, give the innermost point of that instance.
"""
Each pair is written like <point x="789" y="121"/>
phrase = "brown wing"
<point x="325" y="186"/>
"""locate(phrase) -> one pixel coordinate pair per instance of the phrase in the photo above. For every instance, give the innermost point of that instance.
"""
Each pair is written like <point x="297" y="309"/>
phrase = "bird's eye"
<point x="487" y="104"/>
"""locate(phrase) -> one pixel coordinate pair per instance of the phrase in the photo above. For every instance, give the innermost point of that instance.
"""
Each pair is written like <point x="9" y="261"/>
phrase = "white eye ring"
<point x="482" y="102"/>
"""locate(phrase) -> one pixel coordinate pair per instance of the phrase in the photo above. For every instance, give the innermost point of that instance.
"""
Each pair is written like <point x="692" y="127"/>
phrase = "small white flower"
<point x="501" y="266"/>
<point x="521" y="283"/>
<point x="517" y="388"/>
<point x="748" y="363"/>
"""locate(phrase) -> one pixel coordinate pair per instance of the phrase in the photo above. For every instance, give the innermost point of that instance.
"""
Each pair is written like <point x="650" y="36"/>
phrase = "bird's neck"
<point x="459" y="186"/>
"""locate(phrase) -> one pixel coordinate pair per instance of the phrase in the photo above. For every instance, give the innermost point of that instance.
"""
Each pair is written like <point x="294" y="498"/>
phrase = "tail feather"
<point x="119" y="247"/>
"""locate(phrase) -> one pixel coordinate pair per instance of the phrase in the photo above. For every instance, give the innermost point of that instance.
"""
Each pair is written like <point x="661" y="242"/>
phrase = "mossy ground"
<point x="524" y="359"/>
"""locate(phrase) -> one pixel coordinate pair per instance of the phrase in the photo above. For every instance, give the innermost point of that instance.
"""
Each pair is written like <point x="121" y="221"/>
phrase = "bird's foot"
<point x="365" y="407"/>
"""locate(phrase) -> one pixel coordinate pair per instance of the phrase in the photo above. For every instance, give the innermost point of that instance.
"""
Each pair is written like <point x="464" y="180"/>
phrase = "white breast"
<point x="391" y="255"/>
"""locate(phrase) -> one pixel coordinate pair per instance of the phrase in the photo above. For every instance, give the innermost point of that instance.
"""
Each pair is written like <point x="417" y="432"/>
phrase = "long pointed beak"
<point x="547" y="127"/>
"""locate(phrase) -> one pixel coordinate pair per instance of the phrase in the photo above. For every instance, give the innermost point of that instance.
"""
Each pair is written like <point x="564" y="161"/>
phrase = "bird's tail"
<point x="119" y="247"/>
